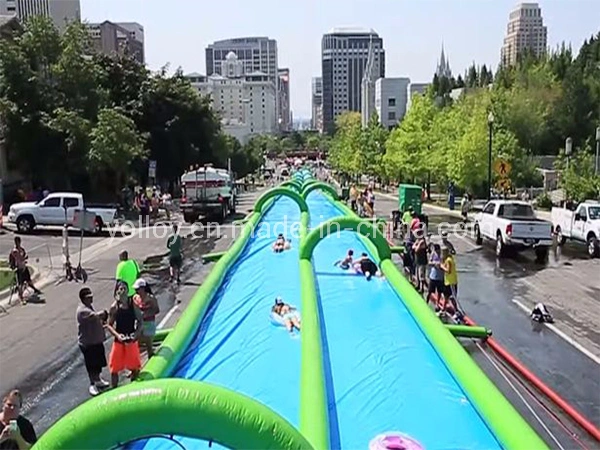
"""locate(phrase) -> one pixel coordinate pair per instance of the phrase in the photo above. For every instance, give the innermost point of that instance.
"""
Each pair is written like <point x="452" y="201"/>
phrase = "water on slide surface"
<point x="382" y="373"/>
<point x="237" y="346"/>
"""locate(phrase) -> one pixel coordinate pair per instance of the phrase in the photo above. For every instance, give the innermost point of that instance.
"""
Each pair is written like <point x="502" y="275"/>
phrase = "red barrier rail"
<point x="541" y="386"/>
<point x="530" y="376"/>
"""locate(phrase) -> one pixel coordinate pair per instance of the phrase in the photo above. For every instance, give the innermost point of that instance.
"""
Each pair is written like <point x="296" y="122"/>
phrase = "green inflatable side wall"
<point x="209" y="412"/>
<point x="509" y="427"/>
<point x="172" y="406"/>
<point x="231" y="419"/>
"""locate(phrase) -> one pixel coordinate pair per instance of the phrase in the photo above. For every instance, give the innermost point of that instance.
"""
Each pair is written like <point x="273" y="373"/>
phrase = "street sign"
<point x="502" y="168"/>
<point x="151" y="169"/>
<point x="503" y="184"/>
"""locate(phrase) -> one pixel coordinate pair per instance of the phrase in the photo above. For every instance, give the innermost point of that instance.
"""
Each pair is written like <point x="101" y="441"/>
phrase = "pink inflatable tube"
<point x="394" y="440"/>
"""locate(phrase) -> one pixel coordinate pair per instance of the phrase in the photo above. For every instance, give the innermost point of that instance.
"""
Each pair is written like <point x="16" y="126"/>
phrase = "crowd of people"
<point x="430" y="266"/>
<point x="362" y="202"/>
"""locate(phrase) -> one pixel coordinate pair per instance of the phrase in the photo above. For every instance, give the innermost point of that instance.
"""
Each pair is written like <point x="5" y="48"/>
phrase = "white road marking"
<point x="562" y="335"/>
<point x="167" y="317"/>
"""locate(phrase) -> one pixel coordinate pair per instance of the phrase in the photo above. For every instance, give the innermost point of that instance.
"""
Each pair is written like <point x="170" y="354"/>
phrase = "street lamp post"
<point x="568" y="149"/>
<point x="490" y="139"/>
<point x="597" y="167"/>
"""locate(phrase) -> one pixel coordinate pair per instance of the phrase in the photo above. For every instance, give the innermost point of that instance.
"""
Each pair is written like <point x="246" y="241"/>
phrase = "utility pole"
<point x="597" y="167"/>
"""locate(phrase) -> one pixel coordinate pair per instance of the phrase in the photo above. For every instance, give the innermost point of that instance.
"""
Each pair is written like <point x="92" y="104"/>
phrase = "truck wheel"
<point x="541" y="254"/>
<point x="478" y="238"/>
<point x="560" y="239"/>
<point x="593" y="246"/>
<point x="500" y="247"/>
<point x="190" y="218"/>
<point x="25" y="224"/>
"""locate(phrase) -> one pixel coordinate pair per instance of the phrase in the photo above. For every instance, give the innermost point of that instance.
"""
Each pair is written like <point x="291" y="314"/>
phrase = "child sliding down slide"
<point x="286" y="314"/>
<point x="345" y="263"/>
<point x="281" y="244"/>
<point x="366" y="267"/>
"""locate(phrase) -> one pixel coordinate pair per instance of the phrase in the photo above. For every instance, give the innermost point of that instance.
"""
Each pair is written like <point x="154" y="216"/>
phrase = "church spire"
<point x="443" y="67"/>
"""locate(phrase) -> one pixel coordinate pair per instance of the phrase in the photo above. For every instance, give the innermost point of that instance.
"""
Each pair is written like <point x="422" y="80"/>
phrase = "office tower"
<point x="245" y="102"/>
<point x="60" y="11"/>
<point x="284" y="100"/>
<point x="113" y="39"/>
<point x="317" y="104"/>
<point x="344" y="53"/>
<point x="391" y="100"/>
<point x="256" y="53"/>
<point x="525" y="33"/>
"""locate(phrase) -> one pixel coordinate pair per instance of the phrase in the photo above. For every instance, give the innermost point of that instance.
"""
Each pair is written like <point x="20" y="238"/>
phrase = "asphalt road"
<point x="38" y="342"/>
<point x="499" y="293"/>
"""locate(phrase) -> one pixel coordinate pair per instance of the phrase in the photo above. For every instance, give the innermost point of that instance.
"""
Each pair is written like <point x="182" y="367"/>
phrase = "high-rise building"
<point x="317" y="104"/>
<point x="391" y="100"/>
<point x="525" y="33"/>
<point x="256" y="53"/>
<point x="245" y="102"/>
<point x="115" y="39"/>
<point x="344" y="55"/>
<point x="60" y="11"/>
<point x="443" y="67"/>
<point x="283" y="110"/>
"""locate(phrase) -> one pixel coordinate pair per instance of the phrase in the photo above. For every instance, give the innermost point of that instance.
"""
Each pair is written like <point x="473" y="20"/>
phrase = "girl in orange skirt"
<point x="125" y="324"/>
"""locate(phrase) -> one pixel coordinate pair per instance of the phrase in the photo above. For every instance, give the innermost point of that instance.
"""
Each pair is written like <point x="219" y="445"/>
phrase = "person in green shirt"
<point x="407" y="219"/>
<point x="175" y="257"/>
<point x="128" y="271"/>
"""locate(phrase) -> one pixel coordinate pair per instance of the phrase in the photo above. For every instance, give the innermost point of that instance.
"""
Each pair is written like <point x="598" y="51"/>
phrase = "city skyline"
<point x="471" y="31"/>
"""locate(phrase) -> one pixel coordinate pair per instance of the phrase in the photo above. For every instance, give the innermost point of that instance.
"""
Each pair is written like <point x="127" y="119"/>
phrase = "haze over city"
<point x="412" y="32"/>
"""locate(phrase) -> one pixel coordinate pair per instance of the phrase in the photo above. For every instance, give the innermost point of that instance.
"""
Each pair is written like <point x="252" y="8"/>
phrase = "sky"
<point x="178" y="31"/>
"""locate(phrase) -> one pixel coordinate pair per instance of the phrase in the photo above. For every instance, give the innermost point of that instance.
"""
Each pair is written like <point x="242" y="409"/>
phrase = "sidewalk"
<point x="37" y="339"/>
<point x="38" y="342"/>
<point x="541" y="214"/>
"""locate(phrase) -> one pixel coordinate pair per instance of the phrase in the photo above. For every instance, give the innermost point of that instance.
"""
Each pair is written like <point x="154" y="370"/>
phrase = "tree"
<point x="346" y="144"/>
<point x="114" y="144"/>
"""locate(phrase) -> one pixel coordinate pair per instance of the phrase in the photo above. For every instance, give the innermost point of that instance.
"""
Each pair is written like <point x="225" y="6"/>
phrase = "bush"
<point x="544" y="201"/>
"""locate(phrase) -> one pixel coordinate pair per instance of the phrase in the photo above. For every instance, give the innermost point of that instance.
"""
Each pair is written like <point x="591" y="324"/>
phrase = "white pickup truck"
<point x="57" y="208"/>
<point x="582" y="225"/>
<point x="513" y="225"/>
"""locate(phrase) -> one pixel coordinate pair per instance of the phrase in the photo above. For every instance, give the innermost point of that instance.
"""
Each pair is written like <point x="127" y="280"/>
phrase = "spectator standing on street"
<point x="90" y="335"/>
<point x="16" y="432"/>
<point x="175" y="257"/>
<point x="125" y="325"/>
<point x="127" y="271"/>
<point x="18" y="262"/>
<point x="147" y="303"/>
<point x="447" y="244"/>
<point x="420" y="260"/>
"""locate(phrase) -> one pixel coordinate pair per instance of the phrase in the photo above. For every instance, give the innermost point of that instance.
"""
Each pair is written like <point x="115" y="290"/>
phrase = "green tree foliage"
<point x="536" y="105"/>
<point x="114" y="144"/>
<point x="72" y="118"/>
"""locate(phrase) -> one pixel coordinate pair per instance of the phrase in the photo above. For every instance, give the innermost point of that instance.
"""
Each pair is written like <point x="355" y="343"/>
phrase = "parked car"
<point x="58" y="208"/>
<point x="512" y="225"/>
<point x="581" y="225"/>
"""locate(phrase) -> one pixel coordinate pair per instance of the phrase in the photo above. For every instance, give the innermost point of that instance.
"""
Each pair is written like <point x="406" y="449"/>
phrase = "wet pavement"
<point x="488" y="290"/>
<point x="56" y="382"/>
<point x="51" y="397"/>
